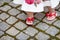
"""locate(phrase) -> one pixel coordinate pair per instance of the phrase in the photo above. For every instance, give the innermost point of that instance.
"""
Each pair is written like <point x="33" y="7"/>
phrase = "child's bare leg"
<point x="50" y="9"/>
<point x="30" y="14"/>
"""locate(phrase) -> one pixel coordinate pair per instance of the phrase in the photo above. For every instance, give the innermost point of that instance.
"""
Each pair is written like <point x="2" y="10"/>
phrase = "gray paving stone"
<point x="7" y="1"/>
<point x="13" y="5"/>
<point x="58" y="7"/>
<point x="22" y="36"/>
<point x="30" y="31"/>
<point x="1" y="33"/>
<point x="6" y="38"/>
<point x="1" y="3"/>
<point x="35" y="22"/>
<point x="20" y="25"/>
<point x="52" y="31"/>
<point x="53" y="39"/>
<point x="0" y="20"/>
<point x="19" y="8"/>
<point x="4" y="16"/>
<point x="11" y="20"/>
<point x="0" y="12"/>
<point x="31" y="39"/>
<point x="12" y="31"/>
<point x="57" y="23"/>
<point x="4" y="26"/>
<point x="42" y="26"/>
<point x="5" y="8"/>
<point x="22" y="16"/>
<point x="42" y="36"/>
<point x="58" y="13"/>
<point x="49" y="22"/>
<point x="59" y="17"/>
<point x="1" y="0"/>
<point x="58" y="36"/>
<point x="39" y="16"/>
<point x="13" y="12"/>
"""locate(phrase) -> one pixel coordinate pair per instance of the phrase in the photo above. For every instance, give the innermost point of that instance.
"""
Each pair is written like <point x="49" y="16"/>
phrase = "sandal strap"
<point x="30" y="19"/>
<point x="51" y="14"/>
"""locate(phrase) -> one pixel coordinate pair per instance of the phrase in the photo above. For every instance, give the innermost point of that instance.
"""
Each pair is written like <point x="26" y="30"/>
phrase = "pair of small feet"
<point x="49" y="16"/>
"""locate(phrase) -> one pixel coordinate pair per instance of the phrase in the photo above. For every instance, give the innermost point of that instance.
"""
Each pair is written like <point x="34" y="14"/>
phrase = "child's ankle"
<point x="30" y="16"/>
<point x="52" y="11"/>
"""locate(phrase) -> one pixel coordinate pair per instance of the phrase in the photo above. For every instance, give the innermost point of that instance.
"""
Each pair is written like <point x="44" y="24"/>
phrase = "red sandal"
<point x="29" y="20"/>
<point x="51" y="15"/>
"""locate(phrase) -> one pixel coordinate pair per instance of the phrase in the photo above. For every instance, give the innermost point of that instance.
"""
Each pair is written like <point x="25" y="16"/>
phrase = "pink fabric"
<point x="29" y="1"/>
<point x="32" y="1"/>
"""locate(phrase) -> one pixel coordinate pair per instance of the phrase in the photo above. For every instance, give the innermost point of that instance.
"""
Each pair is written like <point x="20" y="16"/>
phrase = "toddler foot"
<point x="30" y="20"/>
<point x="51" y="15"/>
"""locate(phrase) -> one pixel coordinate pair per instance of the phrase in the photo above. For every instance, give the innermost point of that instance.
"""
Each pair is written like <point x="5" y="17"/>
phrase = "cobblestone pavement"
<point x="13" y="26"/>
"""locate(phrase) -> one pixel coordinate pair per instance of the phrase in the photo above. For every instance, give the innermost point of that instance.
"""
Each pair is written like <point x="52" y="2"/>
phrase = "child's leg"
<point x="30" y="18"/>
<point x="52" y="13"/>
<point x="30" y="14"/>
<point x="50" y="9"/>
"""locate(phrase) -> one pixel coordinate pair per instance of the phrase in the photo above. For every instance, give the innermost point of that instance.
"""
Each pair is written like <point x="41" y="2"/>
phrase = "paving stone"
<point x="31" y="39"/>
<point x="1" y="0"/>
<point x="4" y="16"/>
<point x="22" y="16"/>
<point x="13" y="4"/>
<point x="22" y="36"/>
<point x="49" y="22"/>
<point x="35" y="22"/>
<point x="30" y="31"/>
<point x="19" y="8"/>
<point x="0" y="12"/>
<point x="39" y="16"/>
<point x="57" y="7"/>
<point x="1" y="3"/>
<point x="1" y="33"/>
<point x="58" y="36"/>
<point x="59" y="17"/>
<point x="52" y="31"/>
<point x="58" y="13"/>
<point x="7" y="1"/>
<point x="57" y="23"/>
<point x="53" y="39"/>
<point x="42" y="36"/>
<point x="4" y="26"/>
<point x="6" y="38"/>
<point x="12" y="31"/>
<point x="11" y="20"/>
<point x="42" y="26"/>
<point x="5" y="8"/>
<point x="0" y="20"/>
<point x="20" y="25"/>
<point x="13" y="12"/>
